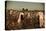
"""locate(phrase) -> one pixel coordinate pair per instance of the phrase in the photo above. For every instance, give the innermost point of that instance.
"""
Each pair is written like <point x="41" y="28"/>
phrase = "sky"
<point x="29" y="5"/>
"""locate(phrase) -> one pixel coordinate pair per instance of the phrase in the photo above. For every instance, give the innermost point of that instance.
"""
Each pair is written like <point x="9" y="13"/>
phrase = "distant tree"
<point x="23" y="9"/>
<point x="26" y="9"/>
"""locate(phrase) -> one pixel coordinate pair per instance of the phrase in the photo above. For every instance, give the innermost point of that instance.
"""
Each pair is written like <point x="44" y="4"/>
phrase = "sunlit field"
<point x="18" y="19"/>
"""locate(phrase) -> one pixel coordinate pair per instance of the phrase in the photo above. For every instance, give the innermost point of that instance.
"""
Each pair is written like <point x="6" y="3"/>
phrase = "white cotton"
<point x="19" y="19"/>
<point x="41" y="18"/>
<point x="28" y="14"/>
